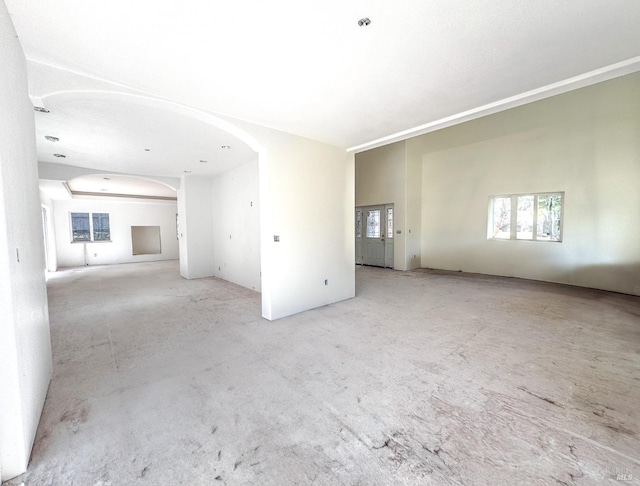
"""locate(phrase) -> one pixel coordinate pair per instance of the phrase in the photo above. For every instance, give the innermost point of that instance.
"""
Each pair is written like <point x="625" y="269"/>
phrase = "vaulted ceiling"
<point x="303" y="67"/>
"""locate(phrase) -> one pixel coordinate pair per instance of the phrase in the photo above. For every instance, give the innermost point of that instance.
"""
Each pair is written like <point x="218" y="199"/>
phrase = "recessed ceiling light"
<point x="187" y="172"/>
<point x="226" y="147"/>
<point x="203" y="161"/>
<point x="364" y="21"/>
<point x="41" y="109"/>
<point x="62" y="156"/>
<point x="51" y="139"/>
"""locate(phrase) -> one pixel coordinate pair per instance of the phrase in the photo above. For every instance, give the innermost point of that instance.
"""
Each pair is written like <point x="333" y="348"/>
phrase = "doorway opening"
<point x="374" y="235"/>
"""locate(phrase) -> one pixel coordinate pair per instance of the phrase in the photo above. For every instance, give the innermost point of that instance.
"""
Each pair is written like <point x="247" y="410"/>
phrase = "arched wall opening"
<point x="290" y="176"/>
<point x="217" y="221"/>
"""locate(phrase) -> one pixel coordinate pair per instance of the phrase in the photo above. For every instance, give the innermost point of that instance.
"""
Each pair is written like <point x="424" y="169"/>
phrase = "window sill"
<point x="101" y="241"/>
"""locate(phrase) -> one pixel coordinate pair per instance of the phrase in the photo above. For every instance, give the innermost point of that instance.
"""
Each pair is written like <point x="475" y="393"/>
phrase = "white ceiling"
<point x="127" y="134"/>
<point x="114" y="185"/>
<point x="298" y="66"/>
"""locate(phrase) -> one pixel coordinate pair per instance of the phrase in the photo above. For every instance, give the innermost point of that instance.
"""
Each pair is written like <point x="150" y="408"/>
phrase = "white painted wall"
<point x="236" y="221"/>
<point x="181" y="226"/>
<point x="51" y="250"/>
<point x="585" y="143"/>
<point x="195" y="222"/>
<point x="25" y="343"/>
<point x="122" y="215"/>
<point x="413" y="215"/>
<point x="306" y="193"/>
<point x="307" y="199"/>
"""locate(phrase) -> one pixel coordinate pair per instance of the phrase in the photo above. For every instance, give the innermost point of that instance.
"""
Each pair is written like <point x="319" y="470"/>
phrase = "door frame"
<point x="360" y="231"/>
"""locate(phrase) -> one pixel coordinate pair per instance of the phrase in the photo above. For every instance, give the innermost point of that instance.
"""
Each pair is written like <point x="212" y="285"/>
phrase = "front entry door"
<point x="374" y="235"/>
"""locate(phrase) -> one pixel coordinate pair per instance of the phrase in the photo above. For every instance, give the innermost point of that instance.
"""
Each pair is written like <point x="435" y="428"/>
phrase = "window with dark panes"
<point x="101" y="230"/>
<point x="80" y="227"/>
<point x="90" y="227"/>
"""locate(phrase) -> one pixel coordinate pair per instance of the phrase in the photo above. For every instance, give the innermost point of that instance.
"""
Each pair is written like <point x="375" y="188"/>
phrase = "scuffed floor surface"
<point x="425" y="378"/>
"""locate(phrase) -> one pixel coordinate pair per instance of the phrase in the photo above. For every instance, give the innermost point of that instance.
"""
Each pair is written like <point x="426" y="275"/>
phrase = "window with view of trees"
<point x="90" y="227"/>
<point x="535" y="217"/>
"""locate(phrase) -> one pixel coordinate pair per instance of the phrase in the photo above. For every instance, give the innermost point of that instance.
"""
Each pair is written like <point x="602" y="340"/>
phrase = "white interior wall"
<point x="50" y="249"/>
<point x="413" y="201"/>
<point x="311" y="208"/>
<point x="585" y="143"/>
<point x="307" y="199"/>
<point x="380" y="178"/>
<point x="122" y="215"/>
<point x="25" y="343"/>
<point x="181" y="225"/>
<point x="195" y="222"/>
<point x="306" y="191"/>
<point x="236" y="220"/>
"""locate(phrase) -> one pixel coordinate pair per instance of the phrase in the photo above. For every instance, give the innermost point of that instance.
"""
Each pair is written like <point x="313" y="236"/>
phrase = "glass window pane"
<point x="525" y="218"/>
<point x="359" y="223"/>
<point x="101" y="227"/>
<point x="500" y="224"/>
<point x="549" y="216"/>
<point x="389" y="222"/>
<point x="373" y="223"/>
<point x="80" y="227"/>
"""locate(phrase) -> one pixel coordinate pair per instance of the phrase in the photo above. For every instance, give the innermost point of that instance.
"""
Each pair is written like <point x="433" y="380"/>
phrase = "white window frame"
<point x="91" y="234"/>
<point x="514" y="216"/>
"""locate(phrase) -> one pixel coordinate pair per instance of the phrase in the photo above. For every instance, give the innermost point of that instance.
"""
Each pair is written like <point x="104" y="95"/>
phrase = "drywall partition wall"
<point x="195" y="225"/>
<point x="585" y="143"/>
<point x="123" y="214"/>
<point x="307" y="225"/>
<point x="380" y="178"/>
<point x="236" y="220"/>
<point x="51" y="256"/>
<point x="181" y="223"/>
<point x="413" y="214"/>
<point x="307" y="204"/>
<point x="25" y="343"/>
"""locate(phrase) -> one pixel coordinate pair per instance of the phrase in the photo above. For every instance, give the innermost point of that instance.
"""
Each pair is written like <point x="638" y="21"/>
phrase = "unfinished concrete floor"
<point x="425" y="378"/>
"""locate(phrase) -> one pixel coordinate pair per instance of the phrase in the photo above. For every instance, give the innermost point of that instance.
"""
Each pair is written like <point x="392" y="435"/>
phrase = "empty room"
<point x="350" y="243"/>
